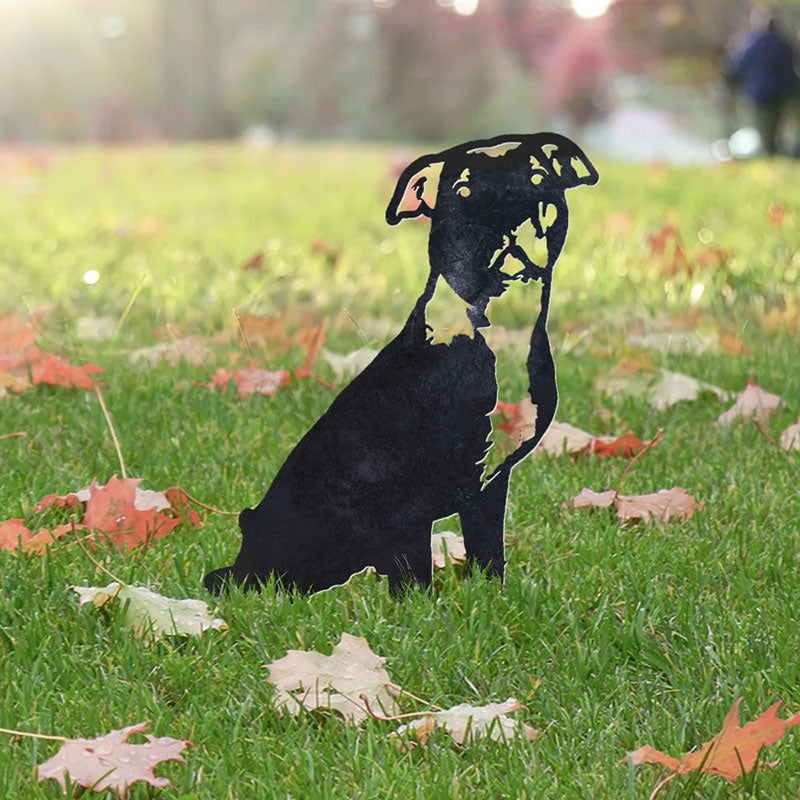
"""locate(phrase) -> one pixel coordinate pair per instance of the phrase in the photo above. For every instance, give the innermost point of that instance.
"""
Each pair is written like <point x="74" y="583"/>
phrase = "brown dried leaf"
<point x="731" y="752"/>
<point x="470" y="723"/>
<point x="660" y="505"/>
<point x="752" y="402"/>
<point x="109" y="762"/>
<point x="310" y="680"/>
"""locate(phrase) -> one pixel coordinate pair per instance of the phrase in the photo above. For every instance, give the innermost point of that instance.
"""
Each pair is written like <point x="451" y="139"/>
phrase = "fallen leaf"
<point x="732" y="345"/>
<point x="520" y="424"/>
<point x="143" y="229"/>
<point x="753" y="402"/>
<point x="312" y="341"/>
<point x="23" y="364"/>
<point x="329" y="253"/>
<point x="676" y="342"/>
<point x="109" y="762"/>
<point x="776" y="213"/>
<point x="660" y="505"/>
<point x="311" y="680"/>
<point x="625" y="446"/>
<point x="191" y="349"/>
<point x="711" y="257"/>
<point x="250" y="380"/>
<point x="659" y="240"/>
<point x="618" y="223"/>
<point x="450" y="543"/>
<point x="143" y="499"/>
<point x="123" y="513"/>
<point x="588" y="498"/>
<point x="256" y="261"/>
<point x="39" y="542"/>
<point x="561" y="437"/>
<point x="13" y="533"/>
<point x="790" y="438"/>
<point x="111" y="511"/>
<point x="470" y="723"/>
<point x="49" y="368"/>
<point x="349" y="365"/>
<point x="95" y="329"/>
<point x="732" y="752"/>
<point x="150" y="614"/>
<point x="785" y="319"/>
<point x="673" y="387"/>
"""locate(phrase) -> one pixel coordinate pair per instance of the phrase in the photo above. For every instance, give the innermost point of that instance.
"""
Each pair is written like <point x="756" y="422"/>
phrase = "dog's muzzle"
<point x="516" y="244"/>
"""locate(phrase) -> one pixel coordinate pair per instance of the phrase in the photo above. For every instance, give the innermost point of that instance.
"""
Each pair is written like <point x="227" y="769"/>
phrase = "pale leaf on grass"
<point x="675" y="387"/>
<point x="109" y="762"/>
<point x="663" y="387"/>
<point x="191" y="349"/>
<point x="561" y="437"/>
<point x="311" y="680"/>
<point x="753" y="402"/>
<point x="790" y="438"/>
<point x="450" y="542"/>
<point x="470" y="723"/>
<point x="152" y="614"/>
<point x="350" y="364"/>
<point x="676" y="341"/>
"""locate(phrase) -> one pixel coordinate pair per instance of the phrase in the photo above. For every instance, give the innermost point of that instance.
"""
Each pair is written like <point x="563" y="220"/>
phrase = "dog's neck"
<point x="446" y="315"/>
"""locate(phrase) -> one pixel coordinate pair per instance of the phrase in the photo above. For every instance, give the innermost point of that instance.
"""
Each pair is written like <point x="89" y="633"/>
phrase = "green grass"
<point x="612" y="637"/>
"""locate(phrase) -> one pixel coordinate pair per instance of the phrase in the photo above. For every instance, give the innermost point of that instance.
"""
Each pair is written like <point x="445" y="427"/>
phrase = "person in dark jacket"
<point x="765" y="70"/>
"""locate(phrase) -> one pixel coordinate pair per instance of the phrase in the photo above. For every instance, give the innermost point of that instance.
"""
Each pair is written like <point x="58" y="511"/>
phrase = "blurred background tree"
<point x="393" y="69"/>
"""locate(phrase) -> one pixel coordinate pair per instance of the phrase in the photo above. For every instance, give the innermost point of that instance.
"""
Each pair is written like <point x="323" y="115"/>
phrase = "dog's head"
<point x="481" y="195"/>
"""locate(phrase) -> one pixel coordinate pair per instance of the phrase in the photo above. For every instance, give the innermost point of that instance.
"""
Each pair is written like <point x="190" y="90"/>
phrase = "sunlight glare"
<point x="465" y="7"/>
<point x="91" y="277"/>
<point x="590" y="8"/>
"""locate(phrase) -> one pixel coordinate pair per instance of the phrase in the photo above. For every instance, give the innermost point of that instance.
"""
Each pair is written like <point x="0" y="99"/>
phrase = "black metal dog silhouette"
<point x="405" y="443"/>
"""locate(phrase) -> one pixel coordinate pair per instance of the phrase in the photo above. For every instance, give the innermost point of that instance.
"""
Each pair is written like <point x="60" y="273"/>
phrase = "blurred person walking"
<point x="764" y="69"/>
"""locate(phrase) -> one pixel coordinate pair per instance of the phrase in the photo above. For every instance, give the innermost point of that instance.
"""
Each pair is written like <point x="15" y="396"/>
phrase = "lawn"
<point x="612" y="636"/>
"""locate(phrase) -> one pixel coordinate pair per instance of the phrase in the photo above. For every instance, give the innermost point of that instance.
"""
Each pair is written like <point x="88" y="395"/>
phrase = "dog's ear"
<point x="568" y="162"/>
<point x="415" y="193"/>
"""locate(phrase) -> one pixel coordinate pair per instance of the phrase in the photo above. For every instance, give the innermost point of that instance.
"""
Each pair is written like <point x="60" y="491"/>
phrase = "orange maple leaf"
<point x="312" y="340"/>
<point x="625" y="446"/>
<point x="13" y="533"/>
<point x="732" y="752"/>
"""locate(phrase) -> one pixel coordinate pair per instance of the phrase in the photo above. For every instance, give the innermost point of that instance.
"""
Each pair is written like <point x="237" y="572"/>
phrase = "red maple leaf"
<point x="49" y="368"/>
<point x="20" y="359"/>
<point x="112" y="513"/>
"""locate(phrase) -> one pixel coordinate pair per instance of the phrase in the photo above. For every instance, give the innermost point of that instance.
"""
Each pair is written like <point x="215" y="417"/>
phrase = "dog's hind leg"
<point x="483" y="525"/>
<point x="412" y="564"/>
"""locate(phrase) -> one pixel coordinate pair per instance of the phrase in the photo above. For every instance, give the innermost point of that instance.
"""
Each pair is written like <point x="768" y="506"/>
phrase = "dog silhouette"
<point x="405" y="443"/>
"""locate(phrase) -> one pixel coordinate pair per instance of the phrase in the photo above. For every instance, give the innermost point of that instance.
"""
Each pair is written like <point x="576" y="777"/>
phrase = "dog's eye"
<point x="460" y="185"/>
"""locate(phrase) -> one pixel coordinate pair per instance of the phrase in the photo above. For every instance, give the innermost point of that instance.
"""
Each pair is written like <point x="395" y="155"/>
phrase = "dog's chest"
<point x="512" y="317"/>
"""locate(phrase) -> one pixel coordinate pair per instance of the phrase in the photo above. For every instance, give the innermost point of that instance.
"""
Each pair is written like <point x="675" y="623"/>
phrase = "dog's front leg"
<point x="483" y="525"/>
